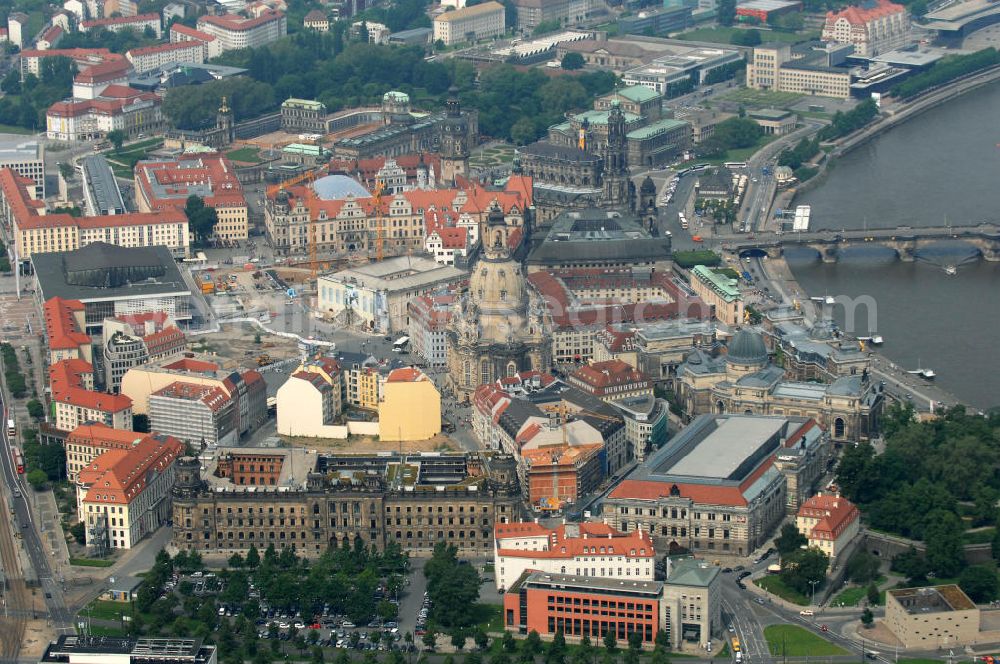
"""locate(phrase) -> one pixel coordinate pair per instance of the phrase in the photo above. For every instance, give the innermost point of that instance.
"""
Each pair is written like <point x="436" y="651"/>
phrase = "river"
<point x="942" y="166"/>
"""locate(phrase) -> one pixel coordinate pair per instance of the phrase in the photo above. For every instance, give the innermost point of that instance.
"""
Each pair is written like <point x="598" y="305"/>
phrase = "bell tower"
<point x="616" y="177"/>
<point x="224" y="123"/>
<point x="454" y="141"/>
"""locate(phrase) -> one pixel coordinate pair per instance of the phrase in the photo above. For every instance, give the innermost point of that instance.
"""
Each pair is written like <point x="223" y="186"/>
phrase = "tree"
<point x="726" y="12"/>
<point x="523" y="131"/>
<point x="458" y="639"/>
<point x="635" y="641"/>
<point x="252" y="558"/>
<point x="867" y="618"/>
<point x="572" y="61"/>
<point x="140" y="423"/>
<point x="201" y="218"/>
<point x="35" y="409"/>
<point x="610" y="642"/>
<point x="801" y="569"/>
<point x="863" y="567"/>
<point x="533" y="644"/>
<point x="749" y="37"/>
<point x="37" y="479"/>
<point x="662" y="639"/>
<point x="117" y="139"/>
<point x="790" y="539"/>
<point x="429" y="639"/>
<point x="508" y="642"/>
<point x="979" y="583"/>
<point x="943" y="537"/>
<point x="482" y="639"/>
<point x="79" y="532"/>
<point x="872" y="594"/>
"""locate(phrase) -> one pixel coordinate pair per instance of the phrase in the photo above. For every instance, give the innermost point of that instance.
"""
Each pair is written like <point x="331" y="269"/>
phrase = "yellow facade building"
<point x="410" y="408"/>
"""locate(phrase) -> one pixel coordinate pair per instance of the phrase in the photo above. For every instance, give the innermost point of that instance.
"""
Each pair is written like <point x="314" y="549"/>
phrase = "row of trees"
<point x="803" y="151"/>
<point x="453" y="588"/>
<point x="849" y="122"/>
<point x="947" y="69"/>
<point x="12" y="371"/>
<point x="44" y="463"/>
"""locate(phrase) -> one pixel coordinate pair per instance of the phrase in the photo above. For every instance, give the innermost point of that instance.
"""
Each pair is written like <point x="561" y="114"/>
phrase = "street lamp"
<point x="813" y="584"/>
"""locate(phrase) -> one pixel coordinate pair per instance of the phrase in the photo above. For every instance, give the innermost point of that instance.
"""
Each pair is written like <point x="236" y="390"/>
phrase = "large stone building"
<point x="470" y="24"/>
<point x="779" y="67"/>
<point x="932" y="618"/>
<point x="829" y="523"/>
<point x="497" y="330"/>
<point x="719" y="486"/>
<point x="873" y="28"/>
<point x="297" y="499"/>
<point x="744" y="381"/>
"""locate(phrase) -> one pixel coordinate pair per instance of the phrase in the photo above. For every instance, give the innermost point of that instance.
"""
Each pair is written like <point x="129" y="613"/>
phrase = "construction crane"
<point x="379" y="220"/>
<point x="291" y="182"/>
<point x="563" y="412"/>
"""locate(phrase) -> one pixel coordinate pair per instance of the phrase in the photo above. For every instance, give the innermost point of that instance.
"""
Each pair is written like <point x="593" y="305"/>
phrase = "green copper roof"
<point x="658" y="127"/>
<point x="638" y="93"/>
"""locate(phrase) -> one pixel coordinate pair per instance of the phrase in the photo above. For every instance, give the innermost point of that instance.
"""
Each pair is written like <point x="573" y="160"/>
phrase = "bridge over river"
<point x="905" y="241"/>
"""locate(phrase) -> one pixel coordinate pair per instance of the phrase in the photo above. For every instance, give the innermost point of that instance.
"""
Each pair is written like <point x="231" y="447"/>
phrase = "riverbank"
<point x="905" y="387"/>
<point x="893" y="117"/>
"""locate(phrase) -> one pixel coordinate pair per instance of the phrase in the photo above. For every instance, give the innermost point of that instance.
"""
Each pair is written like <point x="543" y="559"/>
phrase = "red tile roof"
<point x="66" y="383"/>
<point x="120" y="476"/>
<point x="699" y="493"/>
<point x="166" y="184"/>
<point x="599" y="377"/>
<point x="835" y="514"/>
<point x="592" y="538"/>
<point x="60" y="325"/>
<point x="191" y="365"/>
<point x="213" y="397"/>
<point x="240" y="23"/>
<point x="405" y="375"/>
<point x="101" y="435"/>
<point x="860" y="15"/>
<point x="164" y="341"/>
<point x="196" y="35"/>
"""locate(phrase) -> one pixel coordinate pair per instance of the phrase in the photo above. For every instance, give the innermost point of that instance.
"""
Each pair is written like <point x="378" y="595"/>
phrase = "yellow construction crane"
<point x="379" y="220"/>
<point x="290" y="182"/>
<point x="563" y="411"/>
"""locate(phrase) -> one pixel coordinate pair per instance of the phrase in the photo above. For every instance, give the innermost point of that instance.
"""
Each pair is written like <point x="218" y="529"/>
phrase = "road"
<point x="24" y="521"/>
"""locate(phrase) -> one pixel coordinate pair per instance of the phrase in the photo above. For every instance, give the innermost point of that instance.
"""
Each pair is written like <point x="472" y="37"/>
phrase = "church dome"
<point x="497" y="288"/>
<point x="648" y="186"/>
<point x="747" y="348"/>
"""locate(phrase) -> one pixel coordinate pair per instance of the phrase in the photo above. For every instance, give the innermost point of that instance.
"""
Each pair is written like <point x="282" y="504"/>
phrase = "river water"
<point x="941" y="167"/>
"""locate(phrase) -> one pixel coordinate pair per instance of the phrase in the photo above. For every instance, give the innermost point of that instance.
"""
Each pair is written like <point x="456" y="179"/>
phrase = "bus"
<point x="683" y="220"/>
<point x="734" y="164"/>
<point x="11" y="429"/>
<point x="399" y="346"/>
<point x="17" y="460"/>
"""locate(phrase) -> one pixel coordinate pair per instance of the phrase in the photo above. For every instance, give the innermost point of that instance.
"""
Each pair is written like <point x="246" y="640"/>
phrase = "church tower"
<point x="454" y="141"/>
<point x="616" y="191"/>
<point x="224" y="124"/>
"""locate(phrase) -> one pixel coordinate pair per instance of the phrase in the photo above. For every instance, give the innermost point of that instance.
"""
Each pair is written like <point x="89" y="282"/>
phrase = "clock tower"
<point x="454" y="141"/>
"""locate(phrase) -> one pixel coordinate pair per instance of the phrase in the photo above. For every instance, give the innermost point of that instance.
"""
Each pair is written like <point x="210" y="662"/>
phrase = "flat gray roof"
<point x="397" y="274"/>
<point x="19" y="149"/>
<point x="100" y="182"/>
<point x="723" y="451"/>
<point x="594" y="583"/>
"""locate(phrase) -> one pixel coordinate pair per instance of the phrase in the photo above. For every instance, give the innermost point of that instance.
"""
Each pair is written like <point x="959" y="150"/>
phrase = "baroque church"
<point x="497" y="328"/>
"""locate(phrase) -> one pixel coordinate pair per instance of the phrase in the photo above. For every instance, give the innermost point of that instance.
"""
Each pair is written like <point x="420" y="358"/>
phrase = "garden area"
<point x="247" y="154"/>
<point x="721" y="35"/>
<point x="761" y="98"/>
<point x="124" y="159"/>
<point x="795" y="641"/>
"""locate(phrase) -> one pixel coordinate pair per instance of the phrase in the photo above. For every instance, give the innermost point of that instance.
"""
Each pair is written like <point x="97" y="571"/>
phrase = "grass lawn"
<point x="795" y="641"/>
<point x="91" y="562"/>
<point x="725" y="35"/>
<point x="104" y="610"/>
<point x="11" y="129"/>
<point x="850" y="597"/>
<point x="762" y="98"/>
<point x="247" y="155"/>
<point x="774" y="585"/>
<point x="490" y="617"/>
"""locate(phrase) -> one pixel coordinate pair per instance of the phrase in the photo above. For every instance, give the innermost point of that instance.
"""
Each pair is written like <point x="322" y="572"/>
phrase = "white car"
<point x="283" y="625"/>
<point x="807" y="613"/>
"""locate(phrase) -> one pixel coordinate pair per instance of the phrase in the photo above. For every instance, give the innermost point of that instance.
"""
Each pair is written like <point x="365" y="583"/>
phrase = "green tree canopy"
<point x="572" y="60"/>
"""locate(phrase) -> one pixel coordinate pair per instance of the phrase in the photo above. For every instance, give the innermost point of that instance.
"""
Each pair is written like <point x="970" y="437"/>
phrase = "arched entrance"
<point x="839" y="427"/>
